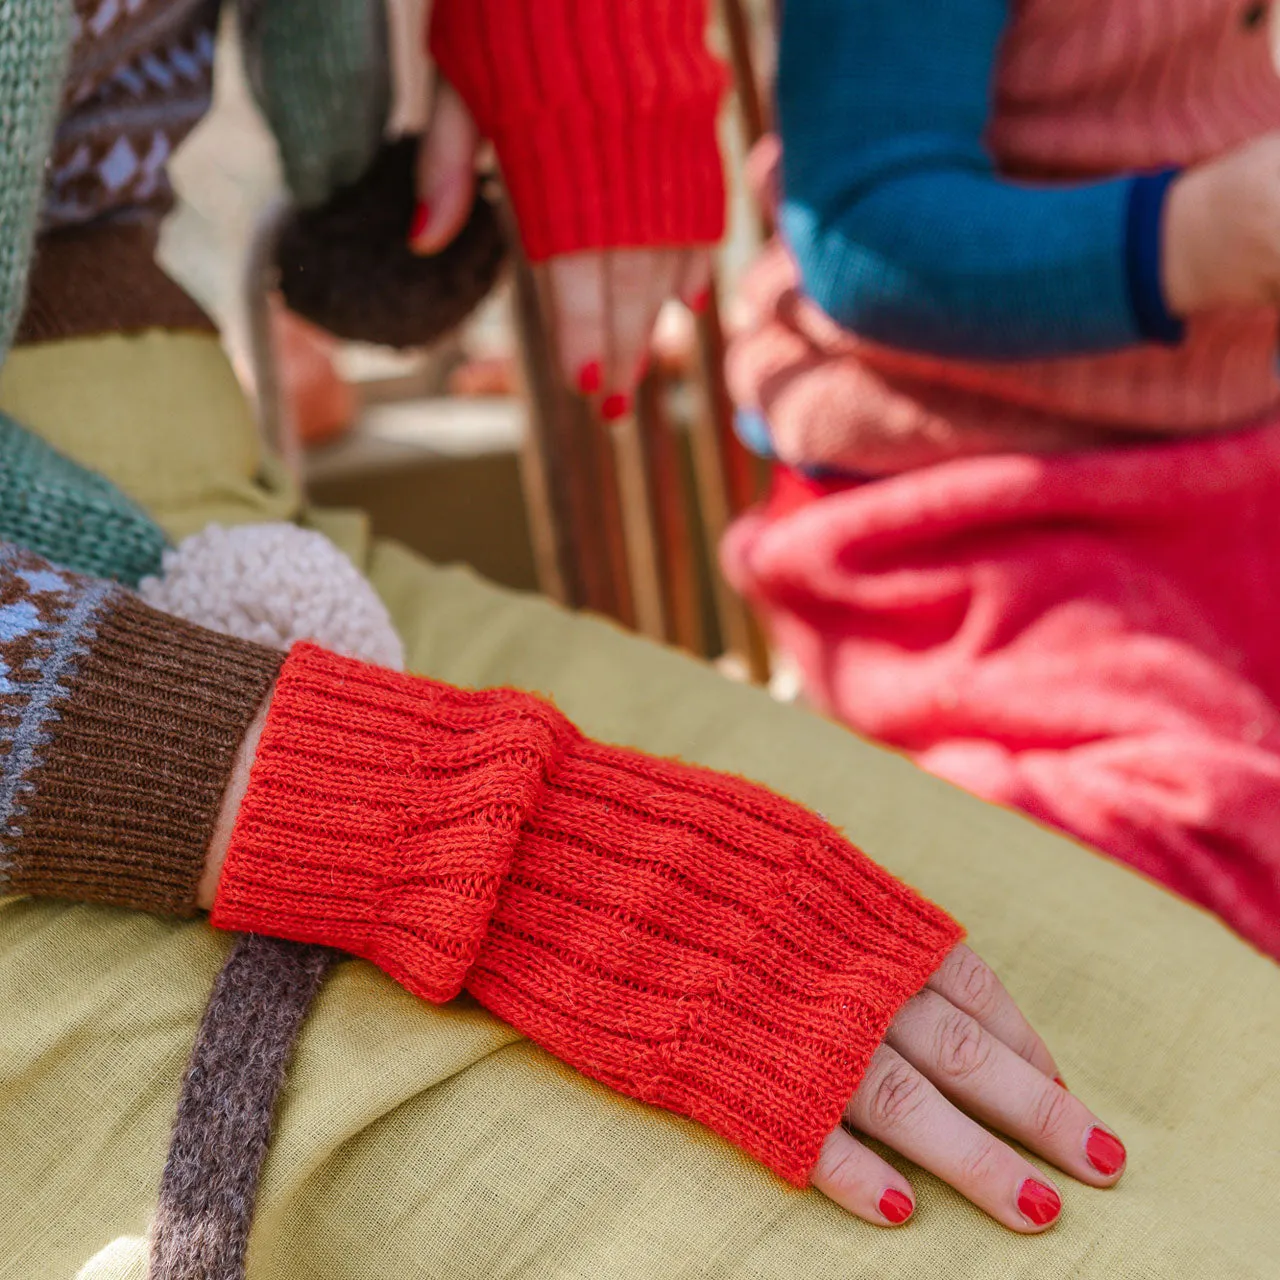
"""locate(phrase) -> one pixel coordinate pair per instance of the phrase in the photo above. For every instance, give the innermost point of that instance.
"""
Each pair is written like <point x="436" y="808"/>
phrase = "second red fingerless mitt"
<point x="687" y="938"/>
<point x="602" y="112"/>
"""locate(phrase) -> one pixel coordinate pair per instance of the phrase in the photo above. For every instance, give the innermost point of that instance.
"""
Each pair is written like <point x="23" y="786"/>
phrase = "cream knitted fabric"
<point x="275" y="584"/>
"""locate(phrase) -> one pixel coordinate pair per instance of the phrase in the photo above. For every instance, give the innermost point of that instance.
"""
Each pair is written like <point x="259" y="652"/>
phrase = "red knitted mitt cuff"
<point x="603" y="116"/>
<point x="689" y="939"/>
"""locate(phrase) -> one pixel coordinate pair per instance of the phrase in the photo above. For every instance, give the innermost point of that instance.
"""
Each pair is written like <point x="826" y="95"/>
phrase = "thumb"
<point x="446" y="173"/>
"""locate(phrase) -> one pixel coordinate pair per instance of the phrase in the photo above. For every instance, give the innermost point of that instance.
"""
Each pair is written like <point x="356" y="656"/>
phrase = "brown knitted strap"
<point x="103" y="278"/>
<point x="124" y="801"/>
<point x="223" y="1127"/>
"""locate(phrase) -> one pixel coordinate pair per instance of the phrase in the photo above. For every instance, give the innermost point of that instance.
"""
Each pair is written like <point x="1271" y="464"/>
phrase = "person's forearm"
<point x="904" y="231"/>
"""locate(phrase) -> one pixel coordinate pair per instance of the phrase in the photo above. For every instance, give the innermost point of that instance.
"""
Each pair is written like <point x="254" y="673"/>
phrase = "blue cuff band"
<point x="1155" y="321"/>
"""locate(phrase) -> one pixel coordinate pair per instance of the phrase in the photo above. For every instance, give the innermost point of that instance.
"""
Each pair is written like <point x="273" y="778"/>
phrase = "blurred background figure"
<point x="1015" y="355"/>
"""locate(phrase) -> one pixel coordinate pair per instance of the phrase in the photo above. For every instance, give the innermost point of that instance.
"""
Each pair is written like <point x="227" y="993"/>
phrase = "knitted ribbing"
<point x="120" y="727"/>
<point x="33" y="53"/>
<point x="687" y="938"/>
<point x="603" y="116"/>
<point x="75" y="517"/>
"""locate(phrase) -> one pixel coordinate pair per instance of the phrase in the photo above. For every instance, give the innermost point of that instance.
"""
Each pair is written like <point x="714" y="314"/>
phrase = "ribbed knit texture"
<point x="603" y="115"/>
<point x="73" y="516"/>
<point x="33" y="55"/>
<point x="930" y="215"/>
<point x="120" y="727"/>
<point x="103" y="278"/>
<point x="689" y="939"/>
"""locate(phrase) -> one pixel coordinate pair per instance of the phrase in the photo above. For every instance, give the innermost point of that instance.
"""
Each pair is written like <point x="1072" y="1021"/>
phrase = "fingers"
<point x="1001" y="1089"/>
<point x="636" y="283"/>
<point x="970" y="984"/>
<point x="859" y="1181"/>
<point x="605" y="305"/>
<point x="695" y="280"/>
<point x="446" y="173"/>
<point x="897" y="1105"/>
<point x="577" y="288"/>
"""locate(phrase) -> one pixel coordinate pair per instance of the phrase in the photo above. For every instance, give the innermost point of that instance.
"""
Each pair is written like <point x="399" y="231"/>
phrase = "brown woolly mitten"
<point x="347" y="267"/>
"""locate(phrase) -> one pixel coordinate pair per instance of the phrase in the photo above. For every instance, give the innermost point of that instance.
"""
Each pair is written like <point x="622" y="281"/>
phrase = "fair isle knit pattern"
<point x="47" y="619"/>
<point x="141" y="79"/>
<point x="98" y="691"/>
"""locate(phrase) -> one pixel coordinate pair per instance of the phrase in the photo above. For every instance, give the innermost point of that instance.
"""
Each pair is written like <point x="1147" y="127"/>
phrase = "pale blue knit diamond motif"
<point x="47" y="620"/>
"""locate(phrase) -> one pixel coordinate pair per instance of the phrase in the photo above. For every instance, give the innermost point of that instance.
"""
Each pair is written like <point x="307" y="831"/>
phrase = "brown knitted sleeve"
<point x="119" y="730"/>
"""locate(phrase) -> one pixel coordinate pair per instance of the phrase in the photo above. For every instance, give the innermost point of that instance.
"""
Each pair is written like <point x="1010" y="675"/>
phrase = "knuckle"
<point x="897" y="1096"/>
<point x="978" y="986"/>
<point x="964" y="1049"/>
<point x="1050" y="1115"/>
<point x="981" y="1161"/>
<point x="837" y="1166"/>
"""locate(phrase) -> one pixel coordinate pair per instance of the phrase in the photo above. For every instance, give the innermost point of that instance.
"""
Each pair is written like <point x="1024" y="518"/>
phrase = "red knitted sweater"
<point x="602" y="112"/>
<point x="687" y="938"/>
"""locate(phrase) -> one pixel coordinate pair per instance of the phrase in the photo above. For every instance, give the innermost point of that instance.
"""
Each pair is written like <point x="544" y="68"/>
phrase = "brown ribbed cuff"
<point x="123" y="804"/>
<point x="103" y="278"/>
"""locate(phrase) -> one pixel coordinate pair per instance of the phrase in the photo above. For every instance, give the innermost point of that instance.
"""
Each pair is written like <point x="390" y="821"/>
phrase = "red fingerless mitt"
<point x="687" y="938"/>
<point x="602" y="112"/>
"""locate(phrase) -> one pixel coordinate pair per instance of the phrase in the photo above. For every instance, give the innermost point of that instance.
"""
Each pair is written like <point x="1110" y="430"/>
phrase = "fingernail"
<point x="589" y="378"/>
<point x="1038" y="1203"/>
<point x="1061" y="1083"/>
<point x="1105" y="1151"/>
<point x="615" y="406"/>
<point x="895" y="1207"/>
<point x="700" y="301"/>
<point x="421" y="217"/>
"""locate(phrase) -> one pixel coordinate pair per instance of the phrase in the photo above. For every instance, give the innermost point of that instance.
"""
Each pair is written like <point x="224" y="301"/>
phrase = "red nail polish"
<point x="1038" y="1203"/>
<point x="421" y="217"/>
<point x="700" y="301"/>
<point x="615" y="406"/>
<point x="1061" y="1083"/>
<point x="590" y="378"/>
<point x="1105" y="1151"/>
<point x="895" y="1206"/>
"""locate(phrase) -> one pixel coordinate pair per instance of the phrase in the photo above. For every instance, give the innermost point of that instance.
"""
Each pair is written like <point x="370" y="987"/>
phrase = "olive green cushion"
<point x="433" y="1142"/>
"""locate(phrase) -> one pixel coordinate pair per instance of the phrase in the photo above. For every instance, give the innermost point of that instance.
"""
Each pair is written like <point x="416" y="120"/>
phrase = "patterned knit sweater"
<point x="960" y="195"/>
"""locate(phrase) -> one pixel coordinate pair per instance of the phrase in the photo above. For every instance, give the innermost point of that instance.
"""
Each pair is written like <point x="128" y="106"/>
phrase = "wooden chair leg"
<point x="727" y="485"/>
<point x="671" y="512"/>
<point x="639" y="527"/>
<point x="276" y="423"/>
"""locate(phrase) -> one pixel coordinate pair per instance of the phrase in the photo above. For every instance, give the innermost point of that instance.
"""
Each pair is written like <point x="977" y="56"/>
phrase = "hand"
<point x="1222" y="231"/>
<point x="605" y="303"/>
<point x="962" y="1046"/>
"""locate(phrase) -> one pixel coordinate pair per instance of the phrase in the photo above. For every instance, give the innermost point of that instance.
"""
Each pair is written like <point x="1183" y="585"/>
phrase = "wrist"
<point x="224" y="825"/>
<point x="1183" y="238"/>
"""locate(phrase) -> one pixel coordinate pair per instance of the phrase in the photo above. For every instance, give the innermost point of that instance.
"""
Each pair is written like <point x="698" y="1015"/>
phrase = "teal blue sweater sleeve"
<point x="904" y="231"/>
